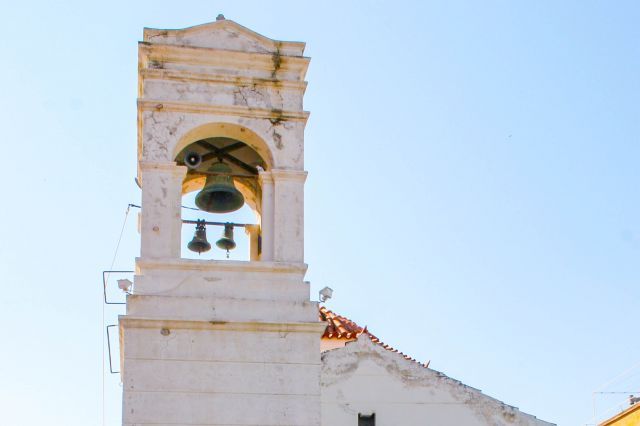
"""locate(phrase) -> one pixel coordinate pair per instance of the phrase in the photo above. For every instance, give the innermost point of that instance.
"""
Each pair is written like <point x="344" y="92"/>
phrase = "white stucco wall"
<point x="362" y="377"/>
<point x="238" y="343"/>
<point x="220" y="342"/>
<point x="222" y="80"/>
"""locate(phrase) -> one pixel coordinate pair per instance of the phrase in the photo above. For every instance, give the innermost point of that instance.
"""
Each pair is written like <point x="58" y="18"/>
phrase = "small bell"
<point x="219" y="194"/>
<point x="226" y="242"/>
<point x="199" y="243"/>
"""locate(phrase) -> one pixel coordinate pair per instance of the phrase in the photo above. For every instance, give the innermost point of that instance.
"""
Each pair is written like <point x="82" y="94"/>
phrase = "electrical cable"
<point x="609" y="410"/>
<point x="622" y="392"/>
<point x="184" y="207"/>
<point x="113" y="261"/>
<point x="618" y="377"/>
<point x="609" y="383"/>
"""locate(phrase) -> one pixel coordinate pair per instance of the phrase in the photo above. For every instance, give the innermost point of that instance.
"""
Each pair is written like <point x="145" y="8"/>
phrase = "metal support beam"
<point x="109" y="348"/>
<point x="195" y="222"/>
<point x="221" y="153"/>
<point x="104" y="282"/>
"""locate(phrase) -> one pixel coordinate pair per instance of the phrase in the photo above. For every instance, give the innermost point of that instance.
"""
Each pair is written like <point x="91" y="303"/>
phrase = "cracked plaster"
<point x="364" y="377"/>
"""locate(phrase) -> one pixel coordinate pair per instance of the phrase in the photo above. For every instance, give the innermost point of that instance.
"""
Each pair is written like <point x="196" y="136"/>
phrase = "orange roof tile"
<point x="339" y="327"/>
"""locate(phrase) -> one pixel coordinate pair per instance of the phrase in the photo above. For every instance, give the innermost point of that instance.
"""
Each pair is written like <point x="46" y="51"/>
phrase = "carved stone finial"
<point x="220" y="17"/>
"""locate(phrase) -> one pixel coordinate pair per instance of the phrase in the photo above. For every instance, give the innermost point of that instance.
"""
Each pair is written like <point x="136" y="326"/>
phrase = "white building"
<point x="364" y="379"/>
<point x="221" y="342"/>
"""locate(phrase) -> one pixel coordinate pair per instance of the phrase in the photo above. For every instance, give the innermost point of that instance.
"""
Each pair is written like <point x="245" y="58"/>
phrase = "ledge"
<point x="125" y="321"/>
<point x="172" y="106"/>
<point x="166" y="166"/>
<point x="220" y="265"/>
<point x="234" y="59"/>
<point x="179" y="75"/>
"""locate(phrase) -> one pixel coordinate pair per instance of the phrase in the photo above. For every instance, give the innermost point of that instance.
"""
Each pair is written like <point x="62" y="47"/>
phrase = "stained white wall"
<point x="363" y="377"/>
<point x="219" y="342"/>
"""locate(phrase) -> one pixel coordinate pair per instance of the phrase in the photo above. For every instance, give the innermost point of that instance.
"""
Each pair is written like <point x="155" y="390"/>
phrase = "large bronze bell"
<point x="219" y="195"/>
<point x="226" y="242"/>
<point x="199" y="243"/>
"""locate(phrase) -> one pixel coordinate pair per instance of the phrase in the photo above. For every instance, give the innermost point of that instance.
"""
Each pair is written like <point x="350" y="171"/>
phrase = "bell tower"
<point x="221" y="342"/>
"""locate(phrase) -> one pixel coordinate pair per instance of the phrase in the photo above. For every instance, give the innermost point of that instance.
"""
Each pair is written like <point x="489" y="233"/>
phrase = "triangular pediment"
<point x="364" y="364"/>
<point x="223" y="34"/>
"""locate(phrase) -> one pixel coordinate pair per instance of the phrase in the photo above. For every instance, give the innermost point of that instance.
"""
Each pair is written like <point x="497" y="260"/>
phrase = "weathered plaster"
<point x="224" y="34"/>
<point x="363" y="377"/>
<point x="207" y="342"/>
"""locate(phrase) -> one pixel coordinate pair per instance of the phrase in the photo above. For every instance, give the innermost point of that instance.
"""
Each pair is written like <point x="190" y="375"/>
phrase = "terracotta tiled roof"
<point x="339" y="327"/>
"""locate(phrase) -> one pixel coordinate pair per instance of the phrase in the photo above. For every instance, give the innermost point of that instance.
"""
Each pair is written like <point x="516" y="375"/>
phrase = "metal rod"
<point x="195" y="222"/>
<point x="218" y="152"/>
<point x="104" y="286"/>
<point x="232" y="147"/>
<point x="192" y="222"/>
<point x="109" y="347"/>
<point x="201" y="172"/>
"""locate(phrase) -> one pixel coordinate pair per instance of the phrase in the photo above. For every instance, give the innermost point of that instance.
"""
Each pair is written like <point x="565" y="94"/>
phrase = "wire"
<point x="619" y="376"/>
<point x="113" y="261"/>
<point x="115" y="253"/>
<point x="184" y="207"/>
<point x="623" y="392"/>
<point x="617" y="407"/>
<point x="609" y="383"/>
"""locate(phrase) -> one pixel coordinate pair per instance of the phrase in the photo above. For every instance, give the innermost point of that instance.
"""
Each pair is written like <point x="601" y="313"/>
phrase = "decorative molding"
<point x="280" y="175"/>
<point x="220" y="266"/>
<point x="171" y="167"/>
<point x="127" y="321"/>
<point x="186" y="76"/>
<point x="221" y="58"/>
<point x="188" y="107"/>
<point x="295" y="48"/>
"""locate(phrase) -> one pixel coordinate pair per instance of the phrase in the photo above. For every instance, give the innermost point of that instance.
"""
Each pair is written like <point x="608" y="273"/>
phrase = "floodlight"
<point x="325" y="293"/>
<point x="125" y="285"/>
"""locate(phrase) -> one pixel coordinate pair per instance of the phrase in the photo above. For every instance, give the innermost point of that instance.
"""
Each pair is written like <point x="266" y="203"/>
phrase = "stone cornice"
<point x="280" y="175"/>
<point x="171" y="167"/>
<point x="166" y="36"/>
<point x="188" y="107"/>
<point x="186" y="76"/>
<point x="274" y="327"/>
<point x="232" y="59"/>
<point x="221" y="265"/>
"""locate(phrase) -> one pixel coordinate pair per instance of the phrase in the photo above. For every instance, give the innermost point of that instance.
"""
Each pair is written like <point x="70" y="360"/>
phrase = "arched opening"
<point x="243" y="164"/>
<point x="229" y="131"/>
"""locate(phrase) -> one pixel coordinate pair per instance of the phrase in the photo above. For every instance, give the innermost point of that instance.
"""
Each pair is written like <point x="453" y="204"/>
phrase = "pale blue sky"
<point x="472" y="193"/>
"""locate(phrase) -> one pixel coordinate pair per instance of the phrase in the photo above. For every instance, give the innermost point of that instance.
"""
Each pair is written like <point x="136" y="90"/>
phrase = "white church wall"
<point x="364" y="378"/>
<point x="221" y="342"/>
<point x="220" y="373"/>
